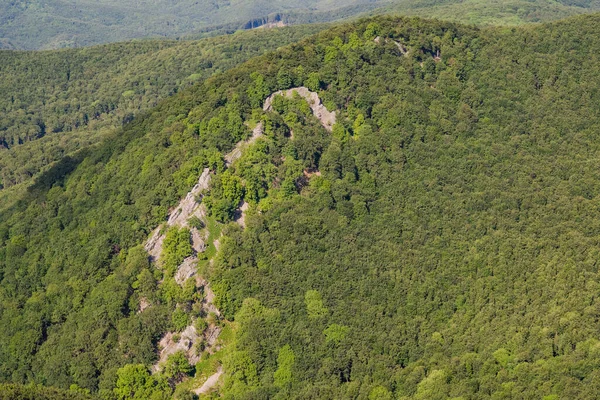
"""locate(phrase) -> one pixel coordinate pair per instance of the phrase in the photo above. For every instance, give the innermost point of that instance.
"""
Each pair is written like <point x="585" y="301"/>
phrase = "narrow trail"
<point x="210" y="382"/>
<point x="190" y="207"/>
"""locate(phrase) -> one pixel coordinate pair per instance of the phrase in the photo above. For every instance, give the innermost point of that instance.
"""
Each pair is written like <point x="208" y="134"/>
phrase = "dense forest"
<point x="56" y="102"/>
<point x="439" y="241"/>
<point x="52" y="24"/>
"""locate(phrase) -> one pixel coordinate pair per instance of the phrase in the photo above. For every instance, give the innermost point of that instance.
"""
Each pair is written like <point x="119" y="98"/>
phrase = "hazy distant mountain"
<point x="31" y="24"/>
<point x="65" y="23"/>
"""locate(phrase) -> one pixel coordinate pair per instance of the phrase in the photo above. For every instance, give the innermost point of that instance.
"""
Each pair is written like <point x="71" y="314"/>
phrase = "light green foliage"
<point x="226" y="193"/>
<point x="145" y="284"/>
<point x="372" y="31"/>
<point x="254" y="321"/>
<point x="285" y="362"/>
<point x="551" y="397"/>
<point x="314" y="304"/>
<point x="176" y="247"/>
<point x="335" y="333"/>
<point x="134" y="382"/>
<point x="331" y="54"/>
<point x="353" y="41"/>
<point x="200" y="324"/>
<point x="242" y="375"/>
<point x="433" y="387"/>
<point x="136" y="261"/>
<point x="380" y="393"/>
<point x="257" y="171"/>
<point x="184" y="394"/>
<point x="502" y="357"/>
<point x="313" y="81"/>
<point x="232" y="187"/>
<point x="358" y="122"/>
<point x="180" y="320"/>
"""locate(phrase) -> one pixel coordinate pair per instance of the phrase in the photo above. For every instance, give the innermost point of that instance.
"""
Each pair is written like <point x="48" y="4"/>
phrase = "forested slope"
<point x="441" y="242"/>
<point x="56" y="102"/>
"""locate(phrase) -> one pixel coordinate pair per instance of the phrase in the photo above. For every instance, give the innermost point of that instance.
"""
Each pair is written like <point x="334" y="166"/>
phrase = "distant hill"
<point x="69" y="23"/>
<point x="494" y="12"/>
<point x="52" y="24"/>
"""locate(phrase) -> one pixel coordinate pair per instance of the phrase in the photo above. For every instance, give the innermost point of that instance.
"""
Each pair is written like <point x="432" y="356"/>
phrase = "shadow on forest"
<point x="57" y="172"/>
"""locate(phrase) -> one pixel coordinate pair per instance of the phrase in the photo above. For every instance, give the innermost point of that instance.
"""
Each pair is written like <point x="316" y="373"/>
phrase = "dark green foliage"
<point x="453" y="253"/>
<point x="484" y="12"/>
<point x="56" y="24"/>
<point x="196" y="222"/>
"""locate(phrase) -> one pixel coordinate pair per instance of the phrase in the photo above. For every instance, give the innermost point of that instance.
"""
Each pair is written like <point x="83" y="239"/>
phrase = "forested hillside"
<point x="439" y="241"/>
<point x="56" y="102"/>
<point x="485" y="12"/>
<point x="27" y="24"/>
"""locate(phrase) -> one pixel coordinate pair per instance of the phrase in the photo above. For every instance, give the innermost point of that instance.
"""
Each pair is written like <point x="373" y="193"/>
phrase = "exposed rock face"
<point x="326" y="117"/>
<point x="186" y="208"/>
<point x="399" y="45"/>
<point x="180" y="216"/>
<point x="240" y="215"/>
<point x="198" y="241"/>
<point x="186" y="270"/>
<point x="237" y="151"/>
<point x="186" y="342"/>
<point x="144" y="303"/>
<point x="189" y="207"/>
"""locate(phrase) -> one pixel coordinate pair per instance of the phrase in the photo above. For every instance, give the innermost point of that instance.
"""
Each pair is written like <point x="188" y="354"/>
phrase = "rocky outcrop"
<point x="399" y="45"/>
<point x="240" y="214"/>
<point x="326" y="117"/>
<point x="237" y="151"/>
<point x="186" y="341"/>
<point x="189" y="207"/>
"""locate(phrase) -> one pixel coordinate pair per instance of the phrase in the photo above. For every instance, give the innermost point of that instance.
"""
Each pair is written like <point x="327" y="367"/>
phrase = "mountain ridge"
<point x="75" y="23"/>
